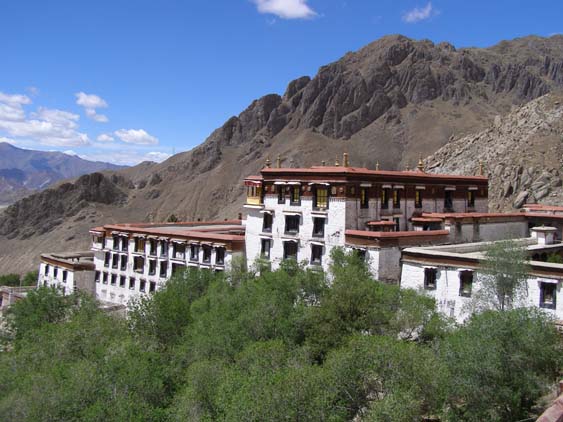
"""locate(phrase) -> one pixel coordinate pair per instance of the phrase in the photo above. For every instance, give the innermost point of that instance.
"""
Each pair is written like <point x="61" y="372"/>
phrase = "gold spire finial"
<point x="278" y="161"/>
<point x="268" y="162"/>
<point x="336" y="163"/>
<point x="345" y="160"/>
<point x="377" y="165"/>
<point x="481" y="168"/>
<point x="420" y="164"/>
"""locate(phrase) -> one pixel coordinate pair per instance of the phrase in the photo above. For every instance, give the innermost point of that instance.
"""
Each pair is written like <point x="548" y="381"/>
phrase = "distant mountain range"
<point x="391" y="102"/>
<point x="24" y="171"/>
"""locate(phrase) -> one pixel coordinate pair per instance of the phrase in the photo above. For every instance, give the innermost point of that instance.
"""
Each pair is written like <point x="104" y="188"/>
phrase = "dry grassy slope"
<point x="391" y="101"/>
<point x="522" y="153"/>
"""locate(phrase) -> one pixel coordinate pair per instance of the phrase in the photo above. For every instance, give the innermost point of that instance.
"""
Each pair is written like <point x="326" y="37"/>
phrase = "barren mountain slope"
<point x="522" y="154"/>
<point x="389" y="102"/>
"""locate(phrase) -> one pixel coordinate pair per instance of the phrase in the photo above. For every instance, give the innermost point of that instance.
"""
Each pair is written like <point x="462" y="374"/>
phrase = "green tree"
<point x="30" y="278"/>
<point x="12" y="280"/>
<point x="500" y="363"/>
<point x="503" y="281"/>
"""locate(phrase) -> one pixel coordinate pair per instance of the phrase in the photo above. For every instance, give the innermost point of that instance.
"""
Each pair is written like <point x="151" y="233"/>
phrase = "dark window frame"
<point x="295" y="191"/>
<point x="281" y="194"/>
<point x="265" y="252"/>
<point x="466" y="278"/>
<point x="385" y="198"/>
<point x="219" y="256"/>
<point x="319" y="223"/>
<point x="286" y="254"/>
<point x="364" y="197"/>
<point x="317" y="254"/>
<point x="292" y="223"/>
<point x="543" y="303"/>
<point x="324" y="197"/>
<point x="471" y="199"/>
<point x="267" y="222"/>
<point x="430" y="278"/>
<point x="448" y="199"/>
<point x="397" y="198"/>
<point x="418" y="198"/>
<point x="207" y="252"/>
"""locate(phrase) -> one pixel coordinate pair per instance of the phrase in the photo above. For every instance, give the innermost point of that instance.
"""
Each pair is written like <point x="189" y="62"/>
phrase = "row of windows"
<point x="292" y="223"/>
<point x="321" y="194"/>
<point x="548" y="291"/>
<point x="47" y="270"/>
<point x="179" y="252"/>
<point x="124" y="282"/>
<point x="290" y="251"/>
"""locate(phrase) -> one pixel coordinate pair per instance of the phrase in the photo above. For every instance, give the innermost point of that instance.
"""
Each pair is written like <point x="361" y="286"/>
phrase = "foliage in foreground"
<point x="286" y="345"/>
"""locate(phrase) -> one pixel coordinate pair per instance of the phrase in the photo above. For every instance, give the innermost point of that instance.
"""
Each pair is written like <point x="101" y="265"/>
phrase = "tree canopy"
<point x="293" y="344"/>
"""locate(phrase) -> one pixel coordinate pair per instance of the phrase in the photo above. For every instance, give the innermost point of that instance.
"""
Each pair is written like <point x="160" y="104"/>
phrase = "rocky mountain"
<point x="390" y="102"/>
<point x="522" y="154"/>
<point x="23" y="171"/>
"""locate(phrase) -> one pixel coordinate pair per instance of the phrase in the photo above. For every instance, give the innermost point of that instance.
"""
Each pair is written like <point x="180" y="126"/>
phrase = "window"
<point x="362" y="254"/>
<point x="138" y="264"/>
<point x="430" y="278"/>
<point x="448" y="199"/>
<point x="465" y="283"/>
<point x="123" y="266"/>
<point x="113" y="279"/>
<point x="295" y="195"/>
<point x="152" y="247"/>
<point x="152" y="267"/>
<point x="397" y="221"/>
<point x="152" y="287"/>
<point x="396" y="198"/>
<point x="206" y="254"/>
<point x="107" y="259"/>
<point x="320" y="198"/>
<point x="267" y="222"/>
<point x="65" y="273"/>
<point x="364" y="199"/>
<point x="292" y="224"/>
<point x="115" y="243"/>
<point x="385" y="198"/>
<point x="318" y="227"/>
<point x="548" y="293"/>
<point x="179" y="250"/>
<point x="316" y="254"/>
<point x="139" y="245"/>
<point x="47" y="269"/>
<point x="114" y="261"/>
<point x="142" y="285"/>
<point x="220" y="256"/>
<point x="125" y="244"/>
<point x="105" y="278"/>
<point x="122" y="281"/>
<point x="470" y="198"/>
<point x="254" y="194"/>
<point x="163" y="268"/>
<point x="55" y="272"/>
<point x="290" y="250"/>
<point x="194" y="252"/>
<point x="131" y="283"/>
<point x="281" y="194"/>
<point x="97" y="276"/>
<point x="164" y="248"/>
<point x="265" y="249"/>
<point x="177" y="267"/>
<point x="418" y="198"/>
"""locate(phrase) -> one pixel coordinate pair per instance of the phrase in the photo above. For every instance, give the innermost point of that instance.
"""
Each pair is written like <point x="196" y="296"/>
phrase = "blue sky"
<point x="130" y="80"/>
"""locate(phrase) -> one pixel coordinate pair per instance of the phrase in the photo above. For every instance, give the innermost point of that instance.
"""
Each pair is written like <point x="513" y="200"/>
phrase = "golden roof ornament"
<point x="377" y="166"/>
<point x="345" y="160"/>
<point x="420" y="164"/>
<point x="278" y="161"/>
<point x="336" y="163"/>
<point x="268" y="162"/>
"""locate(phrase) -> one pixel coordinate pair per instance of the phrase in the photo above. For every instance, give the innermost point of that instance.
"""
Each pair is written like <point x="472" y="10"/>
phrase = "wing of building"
<point x="421" y="230"/>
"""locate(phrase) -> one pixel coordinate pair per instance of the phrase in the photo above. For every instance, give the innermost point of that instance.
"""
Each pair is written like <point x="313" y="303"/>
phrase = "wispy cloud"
<point x="91" y="102"/>
<point x="128" y="158"/>
<point x="104" y="137"/>
<point x="418" y="14"/>
<point x="136" y="136"/>
<point x="286" y="9"/>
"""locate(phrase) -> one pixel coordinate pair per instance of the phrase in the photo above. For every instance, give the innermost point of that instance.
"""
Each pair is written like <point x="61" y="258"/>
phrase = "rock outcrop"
<point x="522" y="154"/>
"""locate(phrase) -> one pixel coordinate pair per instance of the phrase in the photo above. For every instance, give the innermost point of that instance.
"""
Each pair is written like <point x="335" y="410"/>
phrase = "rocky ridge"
<point x="522" y="154"/>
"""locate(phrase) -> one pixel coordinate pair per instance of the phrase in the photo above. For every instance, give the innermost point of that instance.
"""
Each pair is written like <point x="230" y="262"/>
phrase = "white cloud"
<point x="127" y="158"/>
<point x="286" y="9"/>
<point x="104" y="137"/>
<point x="418" y="14"/>
<point x="45" y="126"/>
<point x="33" y="91"/>
<point x="91" y="102"/>
<point x="136" y="136"/>
<point x="70" y="152"/>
